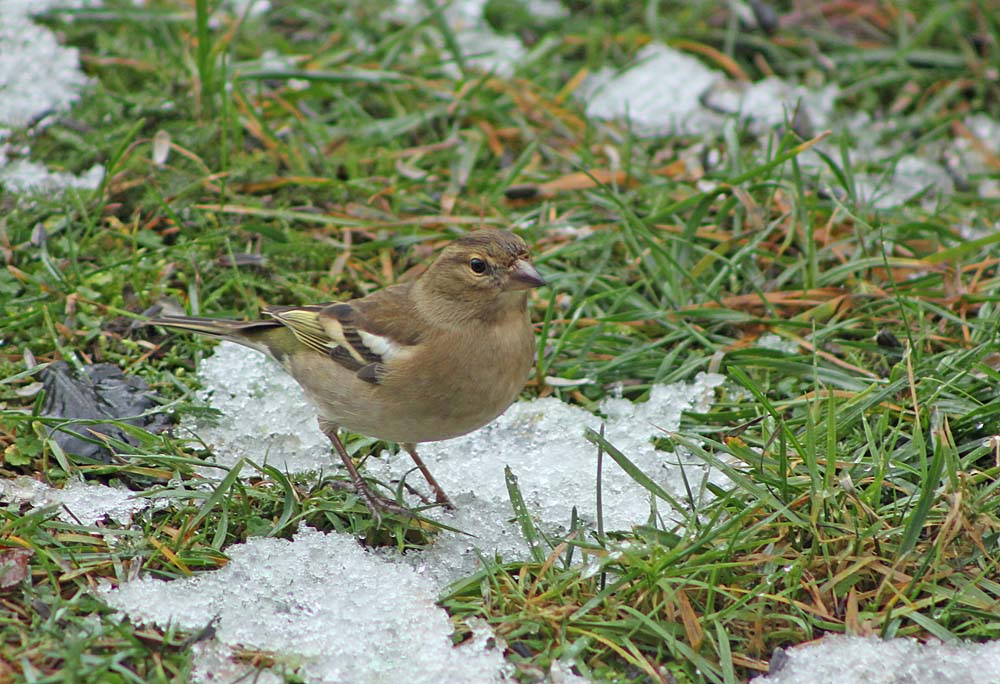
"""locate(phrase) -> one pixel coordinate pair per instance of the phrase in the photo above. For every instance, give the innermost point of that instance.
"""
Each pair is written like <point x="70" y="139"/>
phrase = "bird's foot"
<point x="375" y="503"/>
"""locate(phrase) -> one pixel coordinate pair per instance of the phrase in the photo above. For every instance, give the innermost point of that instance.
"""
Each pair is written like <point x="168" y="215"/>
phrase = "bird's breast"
<point x="469" y="382"/>
<point x="454" y="386"/>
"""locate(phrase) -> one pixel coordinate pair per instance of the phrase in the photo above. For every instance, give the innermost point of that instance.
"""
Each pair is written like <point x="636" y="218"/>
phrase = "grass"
<point x="864" y="468"/>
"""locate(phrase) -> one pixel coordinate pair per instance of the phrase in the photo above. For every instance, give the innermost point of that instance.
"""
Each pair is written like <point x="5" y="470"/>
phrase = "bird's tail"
<point x="248" y="333"/>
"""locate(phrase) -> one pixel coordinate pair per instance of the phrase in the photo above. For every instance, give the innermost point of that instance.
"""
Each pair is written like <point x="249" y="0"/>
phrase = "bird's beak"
<point x="524" y="276"/>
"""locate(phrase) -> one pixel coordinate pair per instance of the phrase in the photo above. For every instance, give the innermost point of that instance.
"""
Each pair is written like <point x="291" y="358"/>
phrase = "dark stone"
<point x="101" y="392"/>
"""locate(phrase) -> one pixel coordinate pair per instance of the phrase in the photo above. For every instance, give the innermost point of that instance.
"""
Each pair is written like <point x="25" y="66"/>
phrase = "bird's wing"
<point x="304" y="322"/>
<point x="361" y="335"/>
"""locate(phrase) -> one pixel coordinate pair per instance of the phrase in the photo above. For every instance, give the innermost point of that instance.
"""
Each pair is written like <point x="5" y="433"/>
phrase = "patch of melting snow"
<point x="38" y="76"/>
<point x="481" y="46"/>
<point x="324" y="606"/>
<point x="659" y="94"/>
<point x="776" y="343"/>
<point x="772" y="102"/>
<point x="250" y="8"/>
<point x="907" y="178"/>
<point x="668" y="92"/>
<point x="79" y="502"/>
<point x="542" y="442"/>
<point x="264" y="415"/>
<point x="23" y="176"/>
<point x="870" y="660"/>
<point x="974" y="156"/>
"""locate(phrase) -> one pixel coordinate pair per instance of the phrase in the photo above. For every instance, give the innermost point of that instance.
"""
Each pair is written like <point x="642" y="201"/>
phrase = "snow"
<point x="870" y="660"/>
<point x="665" y="91"/>
<point x="79" y="502"/>
<point x="24" y="176"/>
<point x="264" y="415"/>
<point x="909" y="176"/>
<point x="776" y="343"/>
<point x="250" y="8"/>
<point x="324" y="605"/>
<point x="38" y="76"/>
<point x="659" y="94"/>
<point x="668" y="92"/>
<point x="482" y="48"/>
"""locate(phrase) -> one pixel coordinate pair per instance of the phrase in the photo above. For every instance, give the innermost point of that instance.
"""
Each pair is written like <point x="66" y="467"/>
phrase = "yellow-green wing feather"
<point x="304" y="322"/>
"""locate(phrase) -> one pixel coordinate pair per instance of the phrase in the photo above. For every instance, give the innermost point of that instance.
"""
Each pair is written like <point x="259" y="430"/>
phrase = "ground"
<point x="800" y="199"/>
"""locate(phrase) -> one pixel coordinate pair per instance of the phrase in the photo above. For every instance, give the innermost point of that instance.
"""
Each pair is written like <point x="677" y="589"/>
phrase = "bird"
<point x="422" y="361"/>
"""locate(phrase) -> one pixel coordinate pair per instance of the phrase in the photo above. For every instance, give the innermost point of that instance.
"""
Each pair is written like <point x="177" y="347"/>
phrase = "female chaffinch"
<point x="422" y="361"/>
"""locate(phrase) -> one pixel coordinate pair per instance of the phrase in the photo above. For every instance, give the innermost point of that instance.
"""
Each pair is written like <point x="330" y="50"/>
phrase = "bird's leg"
<point x="375" y="503"/>
<point x="439" y="495"/>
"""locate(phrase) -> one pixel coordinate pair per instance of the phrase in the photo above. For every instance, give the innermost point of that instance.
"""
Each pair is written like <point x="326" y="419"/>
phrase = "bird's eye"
<point x="477" y="265"/>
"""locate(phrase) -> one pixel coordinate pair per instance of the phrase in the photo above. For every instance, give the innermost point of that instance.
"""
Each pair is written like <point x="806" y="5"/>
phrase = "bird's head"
<point x="483" y="273"/>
